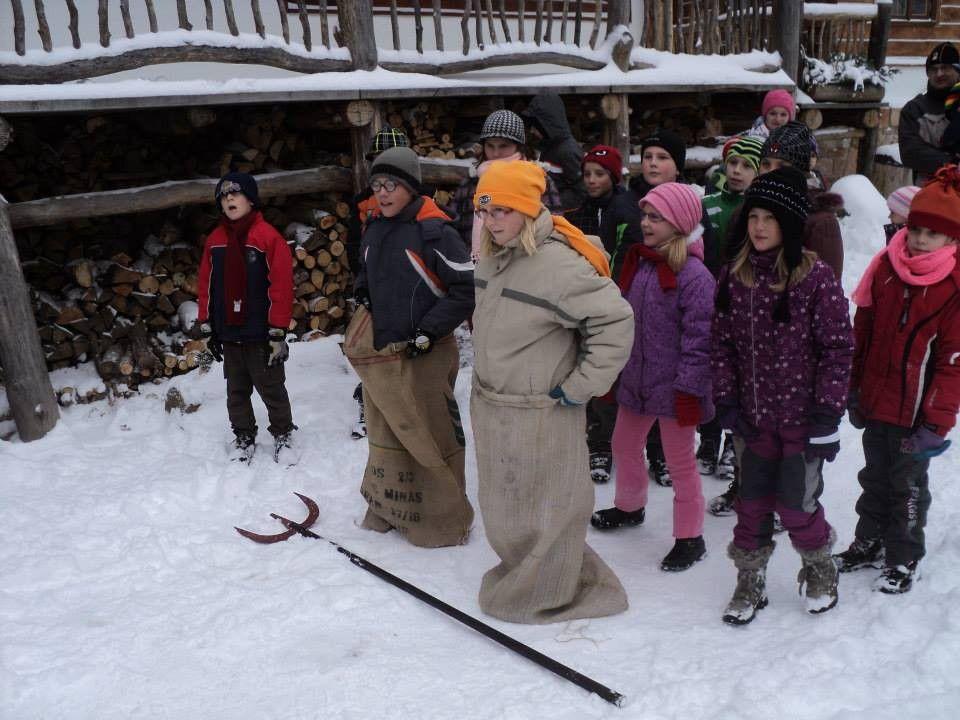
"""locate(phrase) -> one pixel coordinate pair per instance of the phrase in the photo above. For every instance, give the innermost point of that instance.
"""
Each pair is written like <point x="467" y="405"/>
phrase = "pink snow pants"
<point x="629" y="439"/>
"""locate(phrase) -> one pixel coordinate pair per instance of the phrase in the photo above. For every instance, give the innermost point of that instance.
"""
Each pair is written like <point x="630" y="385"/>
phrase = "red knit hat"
<point x="937" y="206"/>
<point x="608" y="158"/>
<point x="779" y="98"/>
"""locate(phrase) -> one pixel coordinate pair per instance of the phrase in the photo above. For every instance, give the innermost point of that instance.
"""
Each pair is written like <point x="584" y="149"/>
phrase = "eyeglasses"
<point x="388" y="185"/>
<point x="496" y="213"/>
<point x="652" y="217"/>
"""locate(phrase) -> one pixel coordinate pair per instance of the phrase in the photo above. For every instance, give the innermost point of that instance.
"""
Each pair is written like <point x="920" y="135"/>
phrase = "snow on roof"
<point x="852" y="9"/>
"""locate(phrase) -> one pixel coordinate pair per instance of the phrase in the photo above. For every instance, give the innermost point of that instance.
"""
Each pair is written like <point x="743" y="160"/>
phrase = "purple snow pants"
<point x="774" y="476"/>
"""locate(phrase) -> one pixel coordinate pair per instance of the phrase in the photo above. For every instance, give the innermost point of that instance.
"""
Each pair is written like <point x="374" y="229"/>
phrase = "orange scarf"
<point x="578" y="241"/>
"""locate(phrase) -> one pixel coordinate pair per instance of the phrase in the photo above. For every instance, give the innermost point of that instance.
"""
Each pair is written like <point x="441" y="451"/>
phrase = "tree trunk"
<point x="29" y="391"/>
<point x="356" y="23"/>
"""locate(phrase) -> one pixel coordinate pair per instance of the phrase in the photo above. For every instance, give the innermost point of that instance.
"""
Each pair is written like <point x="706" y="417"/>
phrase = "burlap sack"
<point x="414" y="479"/>
<point x="535" y="499"/>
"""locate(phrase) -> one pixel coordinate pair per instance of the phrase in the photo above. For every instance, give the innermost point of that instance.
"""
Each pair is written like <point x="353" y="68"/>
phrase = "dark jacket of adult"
<point x="589" y="215"/>
<point x="417" y="272"/>
<point x="269" y="274"/>
<point x="620" y="224"/>
<point x="922" y="124"/>
<point x="549" y="115"/>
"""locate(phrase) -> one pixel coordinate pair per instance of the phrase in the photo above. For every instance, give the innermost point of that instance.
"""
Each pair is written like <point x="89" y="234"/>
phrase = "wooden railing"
<point x="707" y="27"/>
<point x="826" y="34"/>
<point x="556" y="31"/>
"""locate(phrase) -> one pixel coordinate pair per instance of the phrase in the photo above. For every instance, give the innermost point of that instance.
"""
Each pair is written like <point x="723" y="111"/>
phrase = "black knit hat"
<point x="388" y="137"/>
<point x="943" y="54"/>
<point x="400" y="163"/>
<point x="790" y="142"/>
<point x="784" y="193"/>
<point x="238" y="182"/>
<point x="669" y="141"/>
<point x="504" y="124"/>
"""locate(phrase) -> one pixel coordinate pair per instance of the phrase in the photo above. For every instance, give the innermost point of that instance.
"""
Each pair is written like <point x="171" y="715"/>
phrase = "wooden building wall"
<point x="917" y="37"/>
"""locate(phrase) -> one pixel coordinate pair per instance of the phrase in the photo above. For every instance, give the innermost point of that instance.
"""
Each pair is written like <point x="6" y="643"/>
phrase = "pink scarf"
<point x="922" y="270"/>
<point x="477" y="230"/>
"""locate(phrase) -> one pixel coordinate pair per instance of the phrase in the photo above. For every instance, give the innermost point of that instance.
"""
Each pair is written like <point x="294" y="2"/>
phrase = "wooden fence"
<point x="707" y="27"/>
<point x="557" y="32"/>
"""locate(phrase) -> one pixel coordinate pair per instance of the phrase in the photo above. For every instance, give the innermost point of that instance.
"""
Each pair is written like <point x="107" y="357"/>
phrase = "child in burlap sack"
<point x="415" y="286"/>
<point x="550" y="331"/>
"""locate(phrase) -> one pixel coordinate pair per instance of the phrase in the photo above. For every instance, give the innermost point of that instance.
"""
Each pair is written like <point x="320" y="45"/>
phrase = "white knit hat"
<point x="899" y="200"/>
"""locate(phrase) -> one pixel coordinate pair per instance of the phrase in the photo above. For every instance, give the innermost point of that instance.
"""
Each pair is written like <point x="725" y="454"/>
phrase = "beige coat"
<point x="540" y="321"/>
<point x="547" y="319"/>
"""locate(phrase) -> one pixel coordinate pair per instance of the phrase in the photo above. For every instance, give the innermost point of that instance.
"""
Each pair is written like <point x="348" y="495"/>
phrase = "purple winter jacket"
<point x="780" y="374"/>
<point x="671" y="343"/>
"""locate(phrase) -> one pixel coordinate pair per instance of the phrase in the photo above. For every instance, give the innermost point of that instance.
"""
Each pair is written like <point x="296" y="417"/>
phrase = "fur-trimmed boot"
<point x="750" y="594"/>
<point x="820" y="575"/>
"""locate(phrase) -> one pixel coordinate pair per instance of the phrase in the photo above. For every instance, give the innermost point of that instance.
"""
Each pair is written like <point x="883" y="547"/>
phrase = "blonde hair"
<point x="675" y="251"/>
<point x="528" y="239"/>
<point x="742" y="270"/>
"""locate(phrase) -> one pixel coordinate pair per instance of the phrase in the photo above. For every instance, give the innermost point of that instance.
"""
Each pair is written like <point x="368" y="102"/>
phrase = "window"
<point x="448" y="7"/>
<point x="913" y="9"/>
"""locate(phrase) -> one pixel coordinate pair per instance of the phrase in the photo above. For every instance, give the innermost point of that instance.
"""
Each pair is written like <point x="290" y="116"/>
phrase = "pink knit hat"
<point x="900" y="199"/>
<point x="680" y="206"/>
<point x="779" y="98"/>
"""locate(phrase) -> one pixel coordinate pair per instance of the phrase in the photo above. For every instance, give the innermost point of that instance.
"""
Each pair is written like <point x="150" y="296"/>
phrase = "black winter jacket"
<point x="590" y="214"/>
<point x="559" y="148"/>
<point x="922" y="124"/>
<point x="417" y="273"/>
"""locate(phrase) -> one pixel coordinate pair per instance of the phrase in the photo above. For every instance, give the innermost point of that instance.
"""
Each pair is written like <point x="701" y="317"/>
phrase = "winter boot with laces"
<point x="897" y="579"/>
<point x="285" y="451"/>
<point x="614" y="517"/>
<point x="707" y="456"/>
<point x="658" y="472"/>
<point x="685" y="552"/>
<point x="601" y="463"/>
<point x="750" y="594"/>
<point x="820" y="575"/>
<point x="242" y="448"/>
<point x="726" y="466"/>
<point x="862" y="553"/>
<point x="360" y="427"/>
<point x="722" y="505"/>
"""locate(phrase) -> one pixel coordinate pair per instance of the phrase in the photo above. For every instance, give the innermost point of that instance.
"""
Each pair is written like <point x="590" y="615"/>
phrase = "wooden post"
<point x="786" y="21"/>
<point x="876" y="56"/>
<point x="6" y="133"/>
<point x="618" y="13"/>
<point x="616" y="130"/>
<point x="356" y="24"/>
<point x="366" y="118"/>
<point x="29" y="391"/>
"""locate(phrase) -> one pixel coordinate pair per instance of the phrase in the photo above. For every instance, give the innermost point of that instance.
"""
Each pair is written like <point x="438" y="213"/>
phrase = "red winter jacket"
<point x="269" y="283"/>
<point x="906" y="365"/>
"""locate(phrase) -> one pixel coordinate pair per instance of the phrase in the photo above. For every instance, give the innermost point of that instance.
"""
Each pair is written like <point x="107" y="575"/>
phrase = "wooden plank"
<point x="29" y="392"/>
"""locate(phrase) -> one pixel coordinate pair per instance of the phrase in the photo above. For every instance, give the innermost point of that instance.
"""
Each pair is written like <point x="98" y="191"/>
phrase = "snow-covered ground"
<point x="125" y="592"/>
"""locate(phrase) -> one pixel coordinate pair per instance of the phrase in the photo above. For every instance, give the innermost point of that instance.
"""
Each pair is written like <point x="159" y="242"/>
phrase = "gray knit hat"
<point x="400" y="163"/>
<point x="790" y="142"/>
<point x="504" y="124"/>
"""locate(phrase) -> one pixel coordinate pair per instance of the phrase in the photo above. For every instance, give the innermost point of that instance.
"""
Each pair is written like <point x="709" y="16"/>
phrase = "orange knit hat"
<point x="937" y="206"/>
<point x="518" y="185"/>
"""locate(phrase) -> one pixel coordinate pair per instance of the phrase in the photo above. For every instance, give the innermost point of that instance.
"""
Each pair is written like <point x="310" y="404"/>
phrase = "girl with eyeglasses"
<point x="667" y="378"/>
<point x="550" y="331"/>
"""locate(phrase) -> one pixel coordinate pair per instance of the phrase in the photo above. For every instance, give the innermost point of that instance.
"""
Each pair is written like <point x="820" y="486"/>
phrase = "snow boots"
<point x="685" y="552"/>
<point x="707" y="456"/>
<point x="726" y="465"/>
<point x="898" y="579"/>
<point x="750" y="595"/>
<point x="658" y="472"/>
<point x="243" y="448"/>
<point x="862" y="553"/>
<point x="614" y="517"/>
<point x="722" y="504"/>
<point x="601" y="463"/>
<point x="285" y="452"/>
<point x="819" y="574"/>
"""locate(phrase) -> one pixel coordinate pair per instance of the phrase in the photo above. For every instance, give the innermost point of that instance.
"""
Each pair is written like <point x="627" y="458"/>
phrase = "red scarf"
<point x="235" y="267"/>
<point x="665" y="274"/>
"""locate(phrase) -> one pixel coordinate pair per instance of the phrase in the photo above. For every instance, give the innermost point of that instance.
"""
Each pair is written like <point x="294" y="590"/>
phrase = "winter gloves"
<point x="421" y="344"/>
<point x="279" y="352"/>
<point x="213" y="342"/>
<point x="687" y="408"/>
<point x="823" y="442"/>
<point x="924" y="444"/>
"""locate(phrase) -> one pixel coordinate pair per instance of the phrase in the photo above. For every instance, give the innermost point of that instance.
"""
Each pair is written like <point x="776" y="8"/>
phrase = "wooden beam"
<point x="64" y="208"/>
<point x="29" y="392"/>
<point x="786" y="20"/>
<point x="95" y="67"/>
<point x="356" y="24"/>
<point x="572" y="60"/>
<point x="879" y="36"/>
<point x="361" y="138"/>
